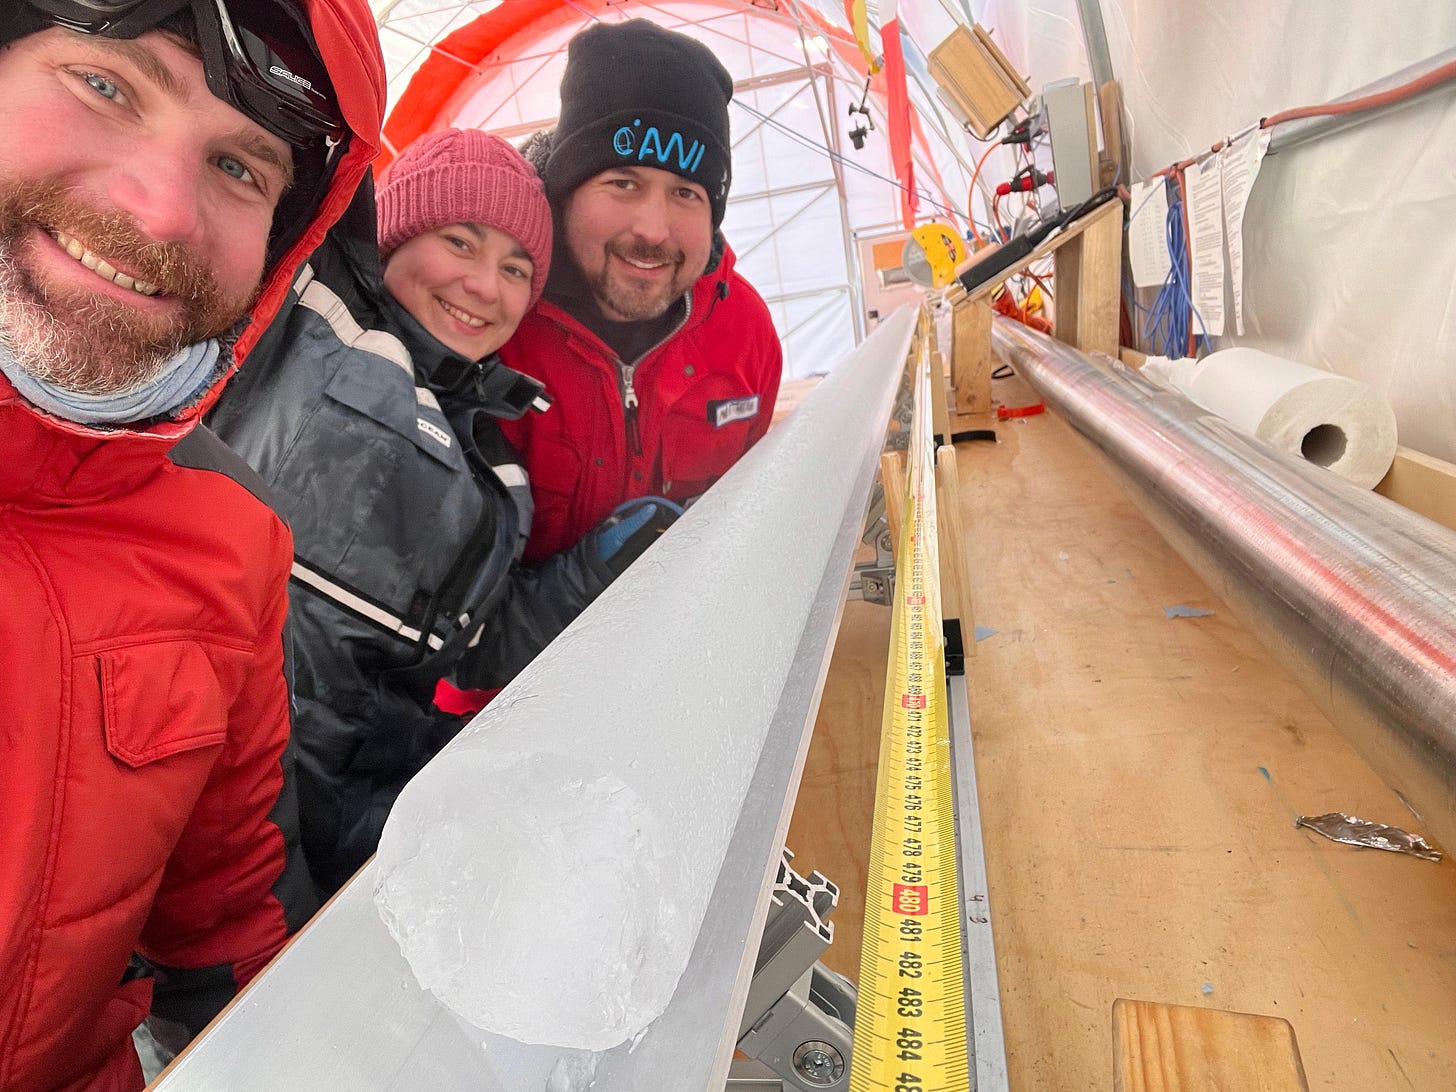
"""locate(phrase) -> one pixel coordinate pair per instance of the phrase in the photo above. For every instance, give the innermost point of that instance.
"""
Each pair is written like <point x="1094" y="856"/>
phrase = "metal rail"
<point x="983" y="989"/>
<point x="1353" y="594"/>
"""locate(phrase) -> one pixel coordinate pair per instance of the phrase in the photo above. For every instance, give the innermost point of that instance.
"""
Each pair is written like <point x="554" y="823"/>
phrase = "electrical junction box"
<point x="1071" y="130"/>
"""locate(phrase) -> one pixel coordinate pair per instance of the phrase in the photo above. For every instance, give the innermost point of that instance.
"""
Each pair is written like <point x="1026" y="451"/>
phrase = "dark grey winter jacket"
<point x="409" y="512"/>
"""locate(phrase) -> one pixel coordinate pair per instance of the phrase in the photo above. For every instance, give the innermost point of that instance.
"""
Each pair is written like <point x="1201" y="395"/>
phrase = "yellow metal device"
<point x="932" y="253"/>
<point x="910" y="1022"/>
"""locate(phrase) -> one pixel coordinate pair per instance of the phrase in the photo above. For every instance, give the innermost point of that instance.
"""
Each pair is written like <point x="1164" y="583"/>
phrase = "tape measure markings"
<point x="910" y="1028"/>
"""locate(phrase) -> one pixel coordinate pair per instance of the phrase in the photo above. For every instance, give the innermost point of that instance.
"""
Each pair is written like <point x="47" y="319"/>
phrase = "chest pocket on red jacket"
<point x="164" y="719"/>
<point x="704" y="433"/>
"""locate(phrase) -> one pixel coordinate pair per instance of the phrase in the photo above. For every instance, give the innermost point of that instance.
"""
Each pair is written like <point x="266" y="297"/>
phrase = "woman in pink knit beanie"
<point x="371" y="411"/>
<point x="465" y="237"/>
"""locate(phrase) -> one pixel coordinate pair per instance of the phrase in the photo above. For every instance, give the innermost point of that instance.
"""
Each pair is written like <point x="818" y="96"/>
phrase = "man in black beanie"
<point x="663" y="362"/>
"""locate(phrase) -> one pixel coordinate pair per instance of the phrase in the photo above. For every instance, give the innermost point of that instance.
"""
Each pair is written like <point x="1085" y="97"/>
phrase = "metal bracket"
<point x="874" y="585"/>
<point x="874" y="581"/>
<point x="799" y="1017"/>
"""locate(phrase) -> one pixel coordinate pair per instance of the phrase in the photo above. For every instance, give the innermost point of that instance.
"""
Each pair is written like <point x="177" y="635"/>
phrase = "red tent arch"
<point x="509" y="29"/>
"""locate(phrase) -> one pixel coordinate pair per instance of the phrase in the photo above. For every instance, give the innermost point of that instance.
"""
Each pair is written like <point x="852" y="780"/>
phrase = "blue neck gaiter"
<point x="183" y="381"/>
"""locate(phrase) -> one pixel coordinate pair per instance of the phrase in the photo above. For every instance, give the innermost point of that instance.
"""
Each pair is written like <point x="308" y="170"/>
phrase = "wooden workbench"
<point x="1140" y="776"/>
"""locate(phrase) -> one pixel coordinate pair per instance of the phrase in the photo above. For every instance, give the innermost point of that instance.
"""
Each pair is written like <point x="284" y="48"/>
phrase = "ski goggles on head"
<point x="259" y="55"/>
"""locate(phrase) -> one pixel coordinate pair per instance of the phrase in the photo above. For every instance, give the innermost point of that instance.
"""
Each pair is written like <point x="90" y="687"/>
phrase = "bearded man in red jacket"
<point x="662" y="361"/>
<point x="165" y="165"/>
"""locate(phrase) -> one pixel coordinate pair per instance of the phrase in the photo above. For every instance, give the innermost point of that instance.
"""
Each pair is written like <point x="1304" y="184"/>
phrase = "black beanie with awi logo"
<point x="636" y="95"/>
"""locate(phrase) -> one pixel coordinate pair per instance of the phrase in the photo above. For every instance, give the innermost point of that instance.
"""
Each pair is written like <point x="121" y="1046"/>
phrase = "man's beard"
<point x="631" y="302"/>
<point x="90" y="343"/>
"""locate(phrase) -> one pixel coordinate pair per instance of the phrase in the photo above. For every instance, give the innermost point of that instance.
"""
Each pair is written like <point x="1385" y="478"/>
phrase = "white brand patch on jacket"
<point x="512" y="475"/>
<point x="434" y="431"/>
<point x="724" y="411"/>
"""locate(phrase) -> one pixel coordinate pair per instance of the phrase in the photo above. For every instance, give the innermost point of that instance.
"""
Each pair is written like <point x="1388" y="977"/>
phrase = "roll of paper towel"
<point x="1334" y="422"/>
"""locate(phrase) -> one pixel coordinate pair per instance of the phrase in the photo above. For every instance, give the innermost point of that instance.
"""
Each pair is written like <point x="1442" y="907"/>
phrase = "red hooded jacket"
<point x="705" y="396"/>
<point x="144" y="702"/>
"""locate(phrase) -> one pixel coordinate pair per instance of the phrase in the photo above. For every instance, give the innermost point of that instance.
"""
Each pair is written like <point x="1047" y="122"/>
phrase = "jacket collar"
<point x="485" y="384"/>
<point x="48" y="459"/>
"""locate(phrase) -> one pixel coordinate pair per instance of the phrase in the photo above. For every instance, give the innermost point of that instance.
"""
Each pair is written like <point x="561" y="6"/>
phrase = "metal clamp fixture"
<point x="798" y="1019"/>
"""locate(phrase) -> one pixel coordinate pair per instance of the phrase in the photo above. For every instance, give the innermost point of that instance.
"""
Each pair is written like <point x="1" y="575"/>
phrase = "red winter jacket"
<point x="706" y="395"/>
<point x="144" y="705"/>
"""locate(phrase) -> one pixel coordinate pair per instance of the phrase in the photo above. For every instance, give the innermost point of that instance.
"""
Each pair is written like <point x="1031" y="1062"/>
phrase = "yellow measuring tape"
<point x="910" y="1018"/>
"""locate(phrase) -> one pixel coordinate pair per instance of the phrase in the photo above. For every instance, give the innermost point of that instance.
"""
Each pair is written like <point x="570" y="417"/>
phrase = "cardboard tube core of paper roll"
<point x="1324" y="445"/>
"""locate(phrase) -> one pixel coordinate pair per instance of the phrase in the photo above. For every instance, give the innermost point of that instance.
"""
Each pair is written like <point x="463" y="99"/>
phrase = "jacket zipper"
<point x="628" y="373"/>
<point x="629" y="406"/>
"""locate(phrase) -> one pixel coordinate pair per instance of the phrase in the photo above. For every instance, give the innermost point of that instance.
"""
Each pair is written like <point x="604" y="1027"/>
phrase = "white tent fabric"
<point x="799" y="188"/>
<point x="1347" y="268"/>
<point x="1341" y="271"/>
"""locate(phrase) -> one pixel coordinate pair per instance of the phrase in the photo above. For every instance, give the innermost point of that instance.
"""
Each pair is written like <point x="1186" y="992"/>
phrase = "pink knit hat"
<point x="464" y="176"/>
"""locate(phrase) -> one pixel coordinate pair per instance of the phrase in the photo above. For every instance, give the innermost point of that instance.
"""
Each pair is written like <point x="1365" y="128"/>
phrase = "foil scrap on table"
<point x="1339" y="827"/>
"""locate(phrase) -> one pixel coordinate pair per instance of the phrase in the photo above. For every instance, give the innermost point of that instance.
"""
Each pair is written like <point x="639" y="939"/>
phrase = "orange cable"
<point x="1395" y="94"/>
<point x="1366" y="102"/>
<point x="971" y="192"/>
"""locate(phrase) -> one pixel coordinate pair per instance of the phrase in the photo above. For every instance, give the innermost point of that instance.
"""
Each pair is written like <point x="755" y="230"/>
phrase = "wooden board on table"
<point x="971" y="358"/>
<point x="1140" y="778"/>
<point x="892" y="481"/>
<point x="1423" y="484"/>
<point x="1181" y="1048"/>
<point x="1088" y="277"/>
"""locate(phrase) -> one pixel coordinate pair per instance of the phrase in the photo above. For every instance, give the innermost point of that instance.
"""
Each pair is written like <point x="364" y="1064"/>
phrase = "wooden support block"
<point x="892" y="480"/>
<point x="940" y="416"/>
<point x="1109" y="106"/>
<point x="1089" y="283"/>
<point x="970" y="356"/>
<point x="1181" y="1048"/>
<point x="955" y="592"/>
<point x="1423" y="484"/>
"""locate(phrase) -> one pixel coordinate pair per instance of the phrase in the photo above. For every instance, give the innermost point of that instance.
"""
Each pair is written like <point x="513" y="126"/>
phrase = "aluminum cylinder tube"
<point x="1354" y="594"/>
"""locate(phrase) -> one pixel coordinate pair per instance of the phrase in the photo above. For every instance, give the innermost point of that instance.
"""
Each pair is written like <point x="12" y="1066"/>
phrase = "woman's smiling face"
<point x="467" y="284"/>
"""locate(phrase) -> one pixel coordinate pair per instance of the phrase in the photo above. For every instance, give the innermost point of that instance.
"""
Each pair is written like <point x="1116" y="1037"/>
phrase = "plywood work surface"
<point x="1139" y="777"/>
<point x="833" y="814"/>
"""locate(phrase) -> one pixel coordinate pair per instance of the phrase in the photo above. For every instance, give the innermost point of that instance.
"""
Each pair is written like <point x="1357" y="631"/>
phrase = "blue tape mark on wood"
<point x="1185" y="612"/>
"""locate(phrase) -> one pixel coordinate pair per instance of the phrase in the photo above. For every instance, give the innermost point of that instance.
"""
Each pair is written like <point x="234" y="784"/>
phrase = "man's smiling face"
<point x="135" y="207"/>
<point x="640" y="236"/>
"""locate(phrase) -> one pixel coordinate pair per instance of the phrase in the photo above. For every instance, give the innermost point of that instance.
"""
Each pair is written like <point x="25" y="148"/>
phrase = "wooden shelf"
<point x="1088" y="285"/>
